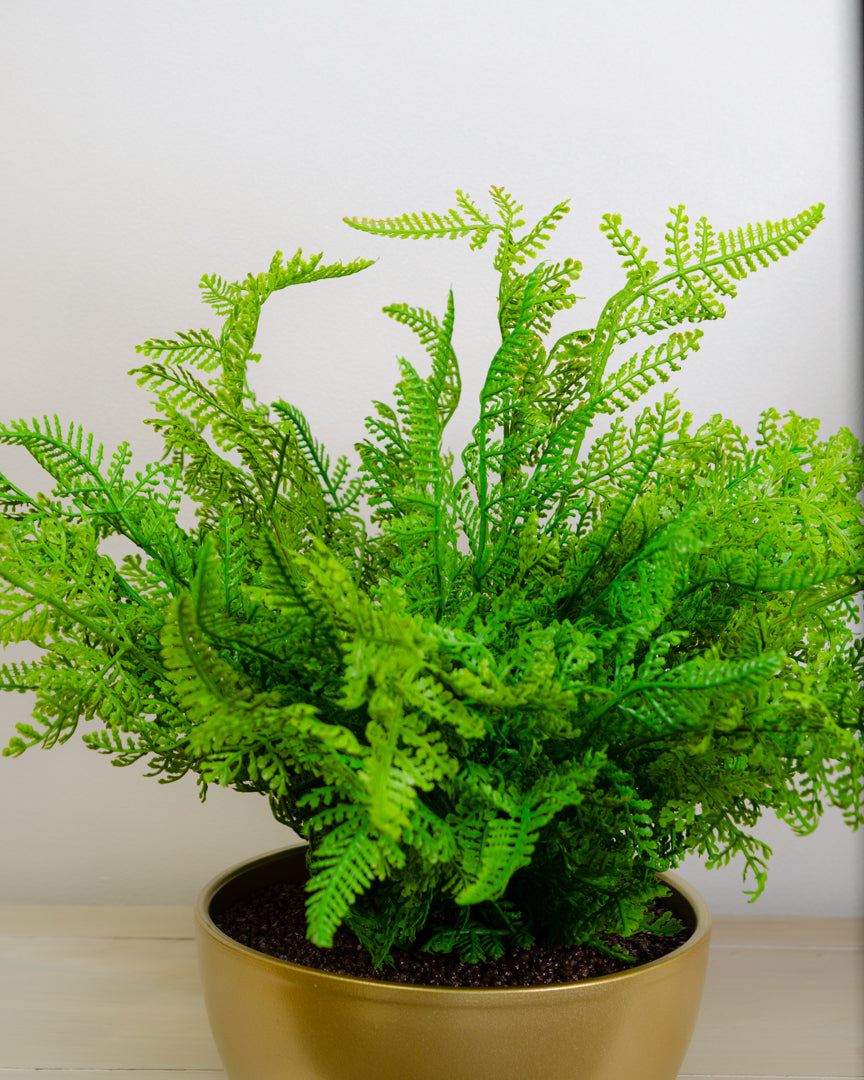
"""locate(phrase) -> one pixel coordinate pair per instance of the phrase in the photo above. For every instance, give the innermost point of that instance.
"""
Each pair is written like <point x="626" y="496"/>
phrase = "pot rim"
<point x="694" y="899"/>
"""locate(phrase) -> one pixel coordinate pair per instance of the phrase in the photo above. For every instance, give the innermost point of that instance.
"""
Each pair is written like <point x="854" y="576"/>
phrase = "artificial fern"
<point x="496" y="693"/>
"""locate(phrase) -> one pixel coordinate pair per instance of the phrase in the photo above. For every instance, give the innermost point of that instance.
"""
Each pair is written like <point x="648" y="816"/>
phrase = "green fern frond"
<point x="445" y="383"/>
<point x="343" y="494"/>
<point x="497" y="704"/>
<point x="196" y="347"/>
<point x="640" y="269"/>
<point x="473" y="943"/>
<point x="724" y="841"/>
<point x="508" y="207"/>
<point x="282" y="588"/>
<point x="69" y="456"/>
<point x="423" y="430"/>
<point x="300" y="271"/>
<point x="217" y="699"/>
<point x="737" y="251"/>
<point x="650" y="431"/>
<point x="636" y="376"/>
<point x="530" y="245"/>
<point x="665" y="308"/>
<point x="505" y="846"/>
<point x="745" y="249"/>
<point x="424" y="225"/>
<point x="235" y="727"/>
<point x="21" y="677"/>
<point x="222" y="296"/>
<point x="472" y="211"/>
<point x="345" y="862"/>
<point x="423" y="323"/>
<point x="179" y="391"/>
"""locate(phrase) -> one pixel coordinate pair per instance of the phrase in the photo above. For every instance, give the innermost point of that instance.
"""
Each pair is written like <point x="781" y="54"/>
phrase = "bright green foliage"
<point x="496" y="694"/>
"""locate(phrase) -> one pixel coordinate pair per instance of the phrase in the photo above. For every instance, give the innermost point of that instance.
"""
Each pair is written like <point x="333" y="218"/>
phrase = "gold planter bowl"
<point x="273" y="1020"/>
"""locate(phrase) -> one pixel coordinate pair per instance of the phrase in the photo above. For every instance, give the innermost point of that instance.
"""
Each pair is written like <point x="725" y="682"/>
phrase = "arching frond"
<point x="495" y="704"/>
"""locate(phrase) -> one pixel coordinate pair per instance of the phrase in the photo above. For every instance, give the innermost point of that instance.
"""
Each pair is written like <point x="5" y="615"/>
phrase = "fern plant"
<point x="495" y="694"/>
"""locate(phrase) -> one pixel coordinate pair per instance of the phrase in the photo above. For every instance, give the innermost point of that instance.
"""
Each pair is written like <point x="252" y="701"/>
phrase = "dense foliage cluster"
<point x="496" y="694"/>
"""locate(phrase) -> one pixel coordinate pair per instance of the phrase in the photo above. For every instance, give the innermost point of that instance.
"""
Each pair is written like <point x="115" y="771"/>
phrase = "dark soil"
<point x="273" y="921"/>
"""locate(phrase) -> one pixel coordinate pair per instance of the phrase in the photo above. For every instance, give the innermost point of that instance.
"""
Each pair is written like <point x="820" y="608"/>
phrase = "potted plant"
<point x="500" y="696"/>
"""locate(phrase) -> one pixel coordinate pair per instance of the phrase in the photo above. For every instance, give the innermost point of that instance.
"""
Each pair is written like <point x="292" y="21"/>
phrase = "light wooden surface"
<point x="106" y="993"/>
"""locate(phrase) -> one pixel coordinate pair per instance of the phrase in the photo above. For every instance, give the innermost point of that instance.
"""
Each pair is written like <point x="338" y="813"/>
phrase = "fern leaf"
<point x="506" y="845"/>
<point x="508" y="208"/>
<point x="445" y="383"/>
<point x="469" y="208"/>
<point x="640" y="269"/>
<point x="344" y="864"/>
<point x="197" y="347"/>
<point x="736" y="251"/>
<point x="299" y="270"/>
<point x="636" y="376"/>
<point x="343" y="496"/>
<point x="424" y="225"/>
<point x="650" y="431"/>
<point x="534" y="241"/>
<point x="214" y="696"/>
<point x="743" y="248"/>
<point x="68" y="455"/>
<point x="678" y="250"/>
<point x="20" y="677"/>
<point x="222" y="296"/>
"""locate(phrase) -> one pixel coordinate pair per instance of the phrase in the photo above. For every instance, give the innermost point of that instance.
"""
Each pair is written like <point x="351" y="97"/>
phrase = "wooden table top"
<point x="94" y="993"/>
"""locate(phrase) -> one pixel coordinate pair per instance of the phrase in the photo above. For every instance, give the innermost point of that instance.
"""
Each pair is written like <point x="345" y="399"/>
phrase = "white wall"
<point x="143" y="144"/>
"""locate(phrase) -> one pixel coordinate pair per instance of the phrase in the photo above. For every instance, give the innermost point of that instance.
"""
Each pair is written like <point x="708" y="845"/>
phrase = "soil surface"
<point x="273" y="921"/>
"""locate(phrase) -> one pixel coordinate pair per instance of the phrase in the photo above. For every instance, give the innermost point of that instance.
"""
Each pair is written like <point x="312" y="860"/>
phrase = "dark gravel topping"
<point x="273" y="921"/>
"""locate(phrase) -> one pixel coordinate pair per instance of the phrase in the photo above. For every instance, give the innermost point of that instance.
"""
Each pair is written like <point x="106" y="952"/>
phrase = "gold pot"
<point x="273" y="1020"/>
